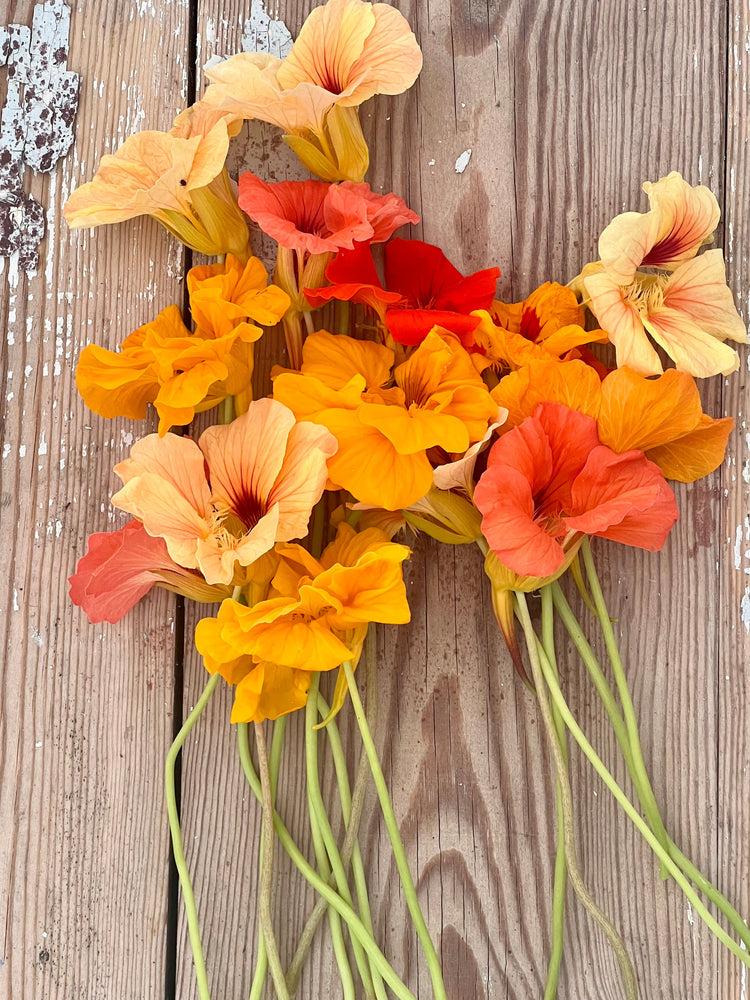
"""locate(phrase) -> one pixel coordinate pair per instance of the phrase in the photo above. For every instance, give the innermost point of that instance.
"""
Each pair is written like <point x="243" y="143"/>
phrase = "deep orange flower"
<point x="165" y="364"/>
<point x="229" y="293"/>
<point x="548" y="324"/>
<point x="549" y="480"/>
<point x="314" y="617"/>
<point x="386" y="421"/>
<point x="662" y="417"/>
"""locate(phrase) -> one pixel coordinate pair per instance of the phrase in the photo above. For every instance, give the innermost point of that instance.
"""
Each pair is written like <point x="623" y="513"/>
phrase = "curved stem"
<point x="561" y="862"/>
<point x="266" y="878"/>
<point x="261" y="961"/>
<point x="634" y="758"/>
<point x="637" y="820"/>
<point x="330" y="895"/>
<point x="317" y="808"/>
<point x="540" y="675"/>
<point x="174" y="828"/>
<point x="410" y="894"/>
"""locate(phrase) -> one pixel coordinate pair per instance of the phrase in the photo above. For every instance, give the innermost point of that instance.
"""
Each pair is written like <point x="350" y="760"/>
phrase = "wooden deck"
<point x="566" y="106"/>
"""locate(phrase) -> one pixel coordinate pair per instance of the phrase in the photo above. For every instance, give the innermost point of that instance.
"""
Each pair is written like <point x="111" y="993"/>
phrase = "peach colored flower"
<point x="346" y="52"/>
<point x="225" y="501"/>
<point x="681" y="219"/>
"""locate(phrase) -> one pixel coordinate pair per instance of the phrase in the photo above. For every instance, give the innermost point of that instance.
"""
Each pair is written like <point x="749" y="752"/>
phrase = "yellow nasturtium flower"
<point x="314" y="618"/>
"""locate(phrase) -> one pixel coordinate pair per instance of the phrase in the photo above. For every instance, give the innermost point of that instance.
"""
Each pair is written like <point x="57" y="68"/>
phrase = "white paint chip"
<point x="463" y="161"/>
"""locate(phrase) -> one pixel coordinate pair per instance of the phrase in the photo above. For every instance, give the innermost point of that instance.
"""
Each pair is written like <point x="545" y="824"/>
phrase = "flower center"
<point x="646" y="293"/>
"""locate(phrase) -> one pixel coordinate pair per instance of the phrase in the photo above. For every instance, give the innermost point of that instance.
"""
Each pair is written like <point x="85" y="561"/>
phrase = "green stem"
<point x="266" y="879"/>
<point x="537" y="657"/>
<point x="226" y="410"/>
<point x="174" y="828"/>
<point x="308" y="872"/>
<point x="261" y="962"/>
<point x="637" y="820"/>
<point x="561" y="863"/>
<point x="318" y="817"/>
<point x="433" y="962"/>
<point x="637" y="768"/>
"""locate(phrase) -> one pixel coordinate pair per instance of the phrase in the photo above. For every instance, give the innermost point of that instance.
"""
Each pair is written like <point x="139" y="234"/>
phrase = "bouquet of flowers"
<point x="409" y="401"/>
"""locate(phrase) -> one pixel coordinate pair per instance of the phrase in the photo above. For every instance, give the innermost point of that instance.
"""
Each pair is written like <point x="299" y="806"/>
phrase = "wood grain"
<point x="85" y="711"/>
<point x="566" y="108"/>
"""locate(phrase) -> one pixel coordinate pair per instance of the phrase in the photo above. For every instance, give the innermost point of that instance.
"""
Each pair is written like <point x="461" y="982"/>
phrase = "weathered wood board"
<point x="556" y="111"/>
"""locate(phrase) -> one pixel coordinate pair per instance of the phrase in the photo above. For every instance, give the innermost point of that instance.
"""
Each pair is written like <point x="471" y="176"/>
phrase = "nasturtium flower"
<point x="649" y="283"/>
<point x="163" y="363"/>
<point x="346" y="52"/>
<point x="662" y="417"/>
<point x="681" y="219"/>
<point x="121" y="567"/>
<point x="422" y="290"/>
<point x="548" y="324"/>
<point x="317" y="218"/>
<point x="550" y="480"/>
<point x="314" y="618"/>
<point x="228" y="293"/>
<point x="387" y="420"/>
<point x="177" y="177"/>
<point x="222" y="503"/>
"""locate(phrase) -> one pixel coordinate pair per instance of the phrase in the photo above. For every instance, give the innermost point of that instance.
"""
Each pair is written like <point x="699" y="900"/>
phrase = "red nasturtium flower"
<point x="550" y="480"/>
<point x="422" y="290"/>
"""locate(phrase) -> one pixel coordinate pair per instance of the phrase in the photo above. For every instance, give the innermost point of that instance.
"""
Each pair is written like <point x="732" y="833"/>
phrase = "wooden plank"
<point x="566" y="108"/>
<point x="85" y="711"/>
<point x="733" y="684"/>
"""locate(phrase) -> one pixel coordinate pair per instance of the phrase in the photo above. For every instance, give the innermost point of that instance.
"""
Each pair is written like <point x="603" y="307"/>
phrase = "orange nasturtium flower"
<point x="550" y="480"/>
<point x="178" y="177"/>
<point x="314" y="617"/>
<point x="346" y="52"/>
<point x="662" y="417"/>
<point x="682" y="301"/>
<point x="386" y="421"/>
<point x="222" y="503"/>
<point x="180" y="372"/>
<point x="548" y="324"/>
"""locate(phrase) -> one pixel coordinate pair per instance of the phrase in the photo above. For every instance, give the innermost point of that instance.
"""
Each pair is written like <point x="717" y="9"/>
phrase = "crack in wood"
<point x="36" y="122"/>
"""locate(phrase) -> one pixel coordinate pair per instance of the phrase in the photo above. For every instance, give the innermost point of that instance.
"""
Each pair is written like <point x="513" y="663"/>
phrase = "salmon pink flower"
<point x="422" y="290"/>
<point x="550" y="480"/>
<point x="662" y="417"/>
<point x="318" y="218"/>
<point x="224" y="502"/>
<point x="121" y="567"/>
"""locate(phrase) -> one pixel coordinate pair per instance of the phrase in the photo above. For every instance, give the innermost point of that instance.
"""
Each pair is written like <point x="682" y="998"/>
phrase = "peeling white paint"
<point x="463" y="161"/>
<point x="264" y="32"/>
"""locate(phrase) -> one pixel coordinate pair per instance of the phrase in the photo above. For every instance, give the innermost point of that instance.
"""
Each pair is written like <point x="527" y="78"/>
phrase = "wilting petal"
<point x="460" y="473"/>
<point x="151" y="172"/>
<point x="268" y="691"/>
